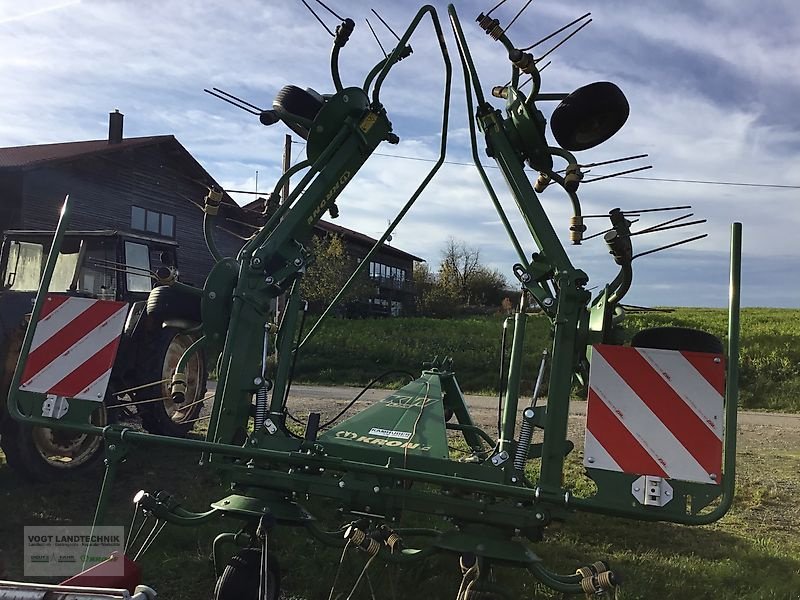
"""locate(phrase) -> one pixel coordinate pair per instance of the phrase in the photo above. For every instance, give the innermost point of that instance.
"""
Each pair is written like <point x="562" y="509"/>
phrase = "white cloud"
<point x="68" y="64"/>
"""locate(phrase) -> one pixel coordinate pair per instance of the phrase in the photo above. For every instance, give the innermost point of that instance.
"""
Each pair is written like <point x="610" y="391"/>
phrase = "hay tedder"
<point x="661" y="422"/>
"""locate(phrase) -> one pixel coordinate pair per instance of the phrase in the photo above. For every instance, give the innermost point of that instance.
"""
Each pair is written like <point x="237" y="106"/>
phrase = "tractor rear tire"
<point x="241" y="578"/>
<point x="42" y="454"/>
<point x="167" y="302"/>
<point x="677" y="338"/>
<point x="162" y="355"/>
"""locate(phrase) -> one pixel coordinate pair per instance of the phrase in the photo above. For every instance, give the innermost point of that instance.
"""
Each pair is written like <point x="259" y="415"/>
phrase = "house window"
<point x="385" y="272"/>
<point x="143" y="219"/>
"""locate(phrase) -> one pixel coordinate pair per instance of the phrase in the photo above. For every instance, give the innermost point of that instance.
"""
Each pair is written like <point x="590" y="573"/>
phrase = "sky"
<point x="712" y="87"/>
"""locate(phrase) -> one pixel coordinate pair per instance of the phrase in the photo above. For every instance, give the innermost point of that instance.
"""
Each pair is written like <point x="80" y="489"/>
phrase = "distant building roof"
<point x="28" y="156"/>
<point x="345" y="232"/>
<point x="257" y="205"/>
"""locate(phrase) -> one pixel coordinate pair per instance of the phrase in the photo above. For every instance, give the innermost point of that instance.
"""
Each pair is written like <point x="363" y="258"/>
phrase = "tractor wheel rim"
<point x="193" y="374"/>
<point x="66" y="450"/>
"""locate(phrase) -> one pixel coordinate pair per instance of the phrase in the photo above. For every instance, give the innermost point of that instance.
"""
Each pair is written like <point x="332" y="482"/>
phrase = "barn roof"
<point x="24" y="158"/>
<point x="328" y="227"/>
<point x="30" y="156"/>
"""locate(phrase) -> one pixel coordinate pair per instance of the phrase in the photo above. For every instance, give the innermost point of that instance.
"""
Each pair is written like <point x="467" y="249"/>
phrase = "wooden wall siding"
<point x="10" y="200"/>
<point x="103" y="189"/>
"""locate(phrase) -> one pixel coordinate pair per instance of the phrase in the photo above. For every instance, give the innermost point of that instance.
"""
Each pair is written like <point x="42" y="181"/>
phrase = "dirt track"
<point x="304" y="398"/>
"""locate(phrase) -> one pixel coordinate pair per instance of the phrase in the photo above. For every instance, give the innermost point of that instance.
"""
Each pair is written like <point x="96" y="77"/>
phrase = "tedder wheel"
<point x="44" y="454"/>
<point x="161" y="358"/>
<point x="241" y="577"/>
<point x="297" y="101"/>
<point x="589" y="116"/>
<point x="677" y="338"/>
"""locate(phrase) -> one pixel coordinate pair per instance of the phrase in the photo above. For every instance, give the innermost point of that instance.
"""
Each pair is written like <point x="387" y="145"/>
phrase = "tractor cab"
<point x="106" y="264"/>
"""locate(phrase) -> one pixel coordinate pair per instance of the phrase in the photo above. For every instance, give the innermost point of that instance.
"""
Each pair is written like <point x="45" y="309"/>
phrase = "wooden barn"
<point x="146" y="185"/>
<point x="152" y="186"/>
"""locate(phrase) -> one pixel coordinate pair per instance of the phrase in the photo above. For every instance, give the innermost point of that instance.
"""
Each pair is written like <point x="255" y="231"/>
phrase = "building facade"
<point x="146" y="185"/>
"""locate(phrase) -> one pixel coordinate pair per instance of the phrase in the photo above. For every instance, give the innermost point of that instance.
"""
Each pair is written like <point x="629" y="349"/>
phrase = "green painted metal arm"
<point x="410" y="202"/>
<point x="335" y="76"/>
<point x="287" y="203"/>
<point x="44" y="286"/>
<point x="511" y="164"/>
<point x="471" y="81"/>
<point x="395" y="56"/>
<point x="208" y="234"/>
<point x="732" y="380"/>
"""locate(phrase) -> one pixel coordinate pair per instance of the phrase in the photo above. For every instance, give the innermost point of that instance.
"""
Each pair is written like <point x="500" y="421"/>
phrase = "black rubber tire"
<point x="297" y="101"/>
<point x="161" y="358"/>
<point x="241" y="577"/>
<point x="589" y="116"/>
<point x="677" y="338"/>
<point x="166" y="302"/>
<point x="31" y="451"/>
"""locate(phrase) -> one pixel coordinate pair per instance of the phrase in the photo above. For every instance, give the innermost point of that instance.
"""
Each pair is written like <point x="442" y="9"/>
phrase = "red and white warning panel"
<point x="74" y="347"/>
<point x="655" y="412"/>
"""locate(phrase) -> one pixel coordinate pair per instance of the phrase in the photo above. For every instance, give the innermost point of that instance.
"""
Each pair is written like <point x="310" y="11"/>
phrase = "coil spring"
<point x="392" y="540"/>
<point x="597" y="579"/>
<point x="525" y="436"/>
<point x="359" y="538"/>
<point x="576" y="229"/>
<point x="490" y="26"/>
<point x="525" y="62"/>
<point x="261" y="406"/>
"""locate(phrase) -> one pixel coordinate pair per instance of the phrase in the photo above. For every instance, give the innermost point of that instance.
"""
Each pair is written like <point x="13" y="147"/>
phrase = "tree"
<point x="432" y="299"/>
<point x="487" y="287"/>
<point x="329" y="271"/>
<point x="461" y="281"/>
<point x="462" y="273"/>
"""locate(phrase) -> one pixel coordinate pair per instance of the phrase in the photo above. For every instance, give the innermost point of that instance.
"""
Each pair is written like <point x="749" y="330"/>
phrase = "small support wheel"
<point x="242" y="576"/>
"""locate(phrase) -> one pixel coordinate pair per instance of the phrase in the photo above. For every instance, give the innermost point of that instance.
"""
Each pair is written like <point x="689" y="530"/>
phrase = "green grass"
<point x="355" y="351"/>
<point x="753" y="553"/>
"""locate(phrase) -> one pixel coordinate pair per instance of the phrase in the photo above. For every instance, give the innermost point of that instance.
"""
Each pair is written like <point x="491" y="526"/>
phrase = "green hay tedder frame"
<point x="393" y="458"/>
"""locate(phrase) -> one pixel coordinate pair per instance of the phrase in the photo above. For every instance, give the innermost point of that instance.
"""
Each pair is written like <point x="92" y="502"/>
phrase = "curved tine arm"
<point x="470" y="74"/>
<point x="208" y="235"/>
<point x="467" y="63"/>
<point x="335" y="76"/>
<point x="374" y="73"/>
<point x="622" y="282"/>
<point x="256" y="241"/>
<point x="442" y="155"/>
<point x="398" y="49"/>
<point x="573" y="197"/>
<point x="568" y="584"/>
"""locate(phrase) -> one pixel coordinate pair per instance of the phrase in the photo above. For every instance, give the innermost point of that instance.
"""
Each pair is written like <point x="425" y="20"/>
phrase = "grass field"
<point x="753" y="553"/>
<point x="354" y="351"/>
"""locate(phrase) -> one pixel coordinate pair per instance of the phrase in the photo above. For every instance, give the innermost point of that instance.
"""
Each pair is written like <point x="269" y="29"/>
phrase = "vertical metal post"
<point x="287" y="163"/>
<point x="570" y="306"/>
<point x="114" y="454"/>
<point x="280" y="301"/>
<point x="509" y="418"/>
<point x="732" y="378"/>
<point x="44" y="286"/>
